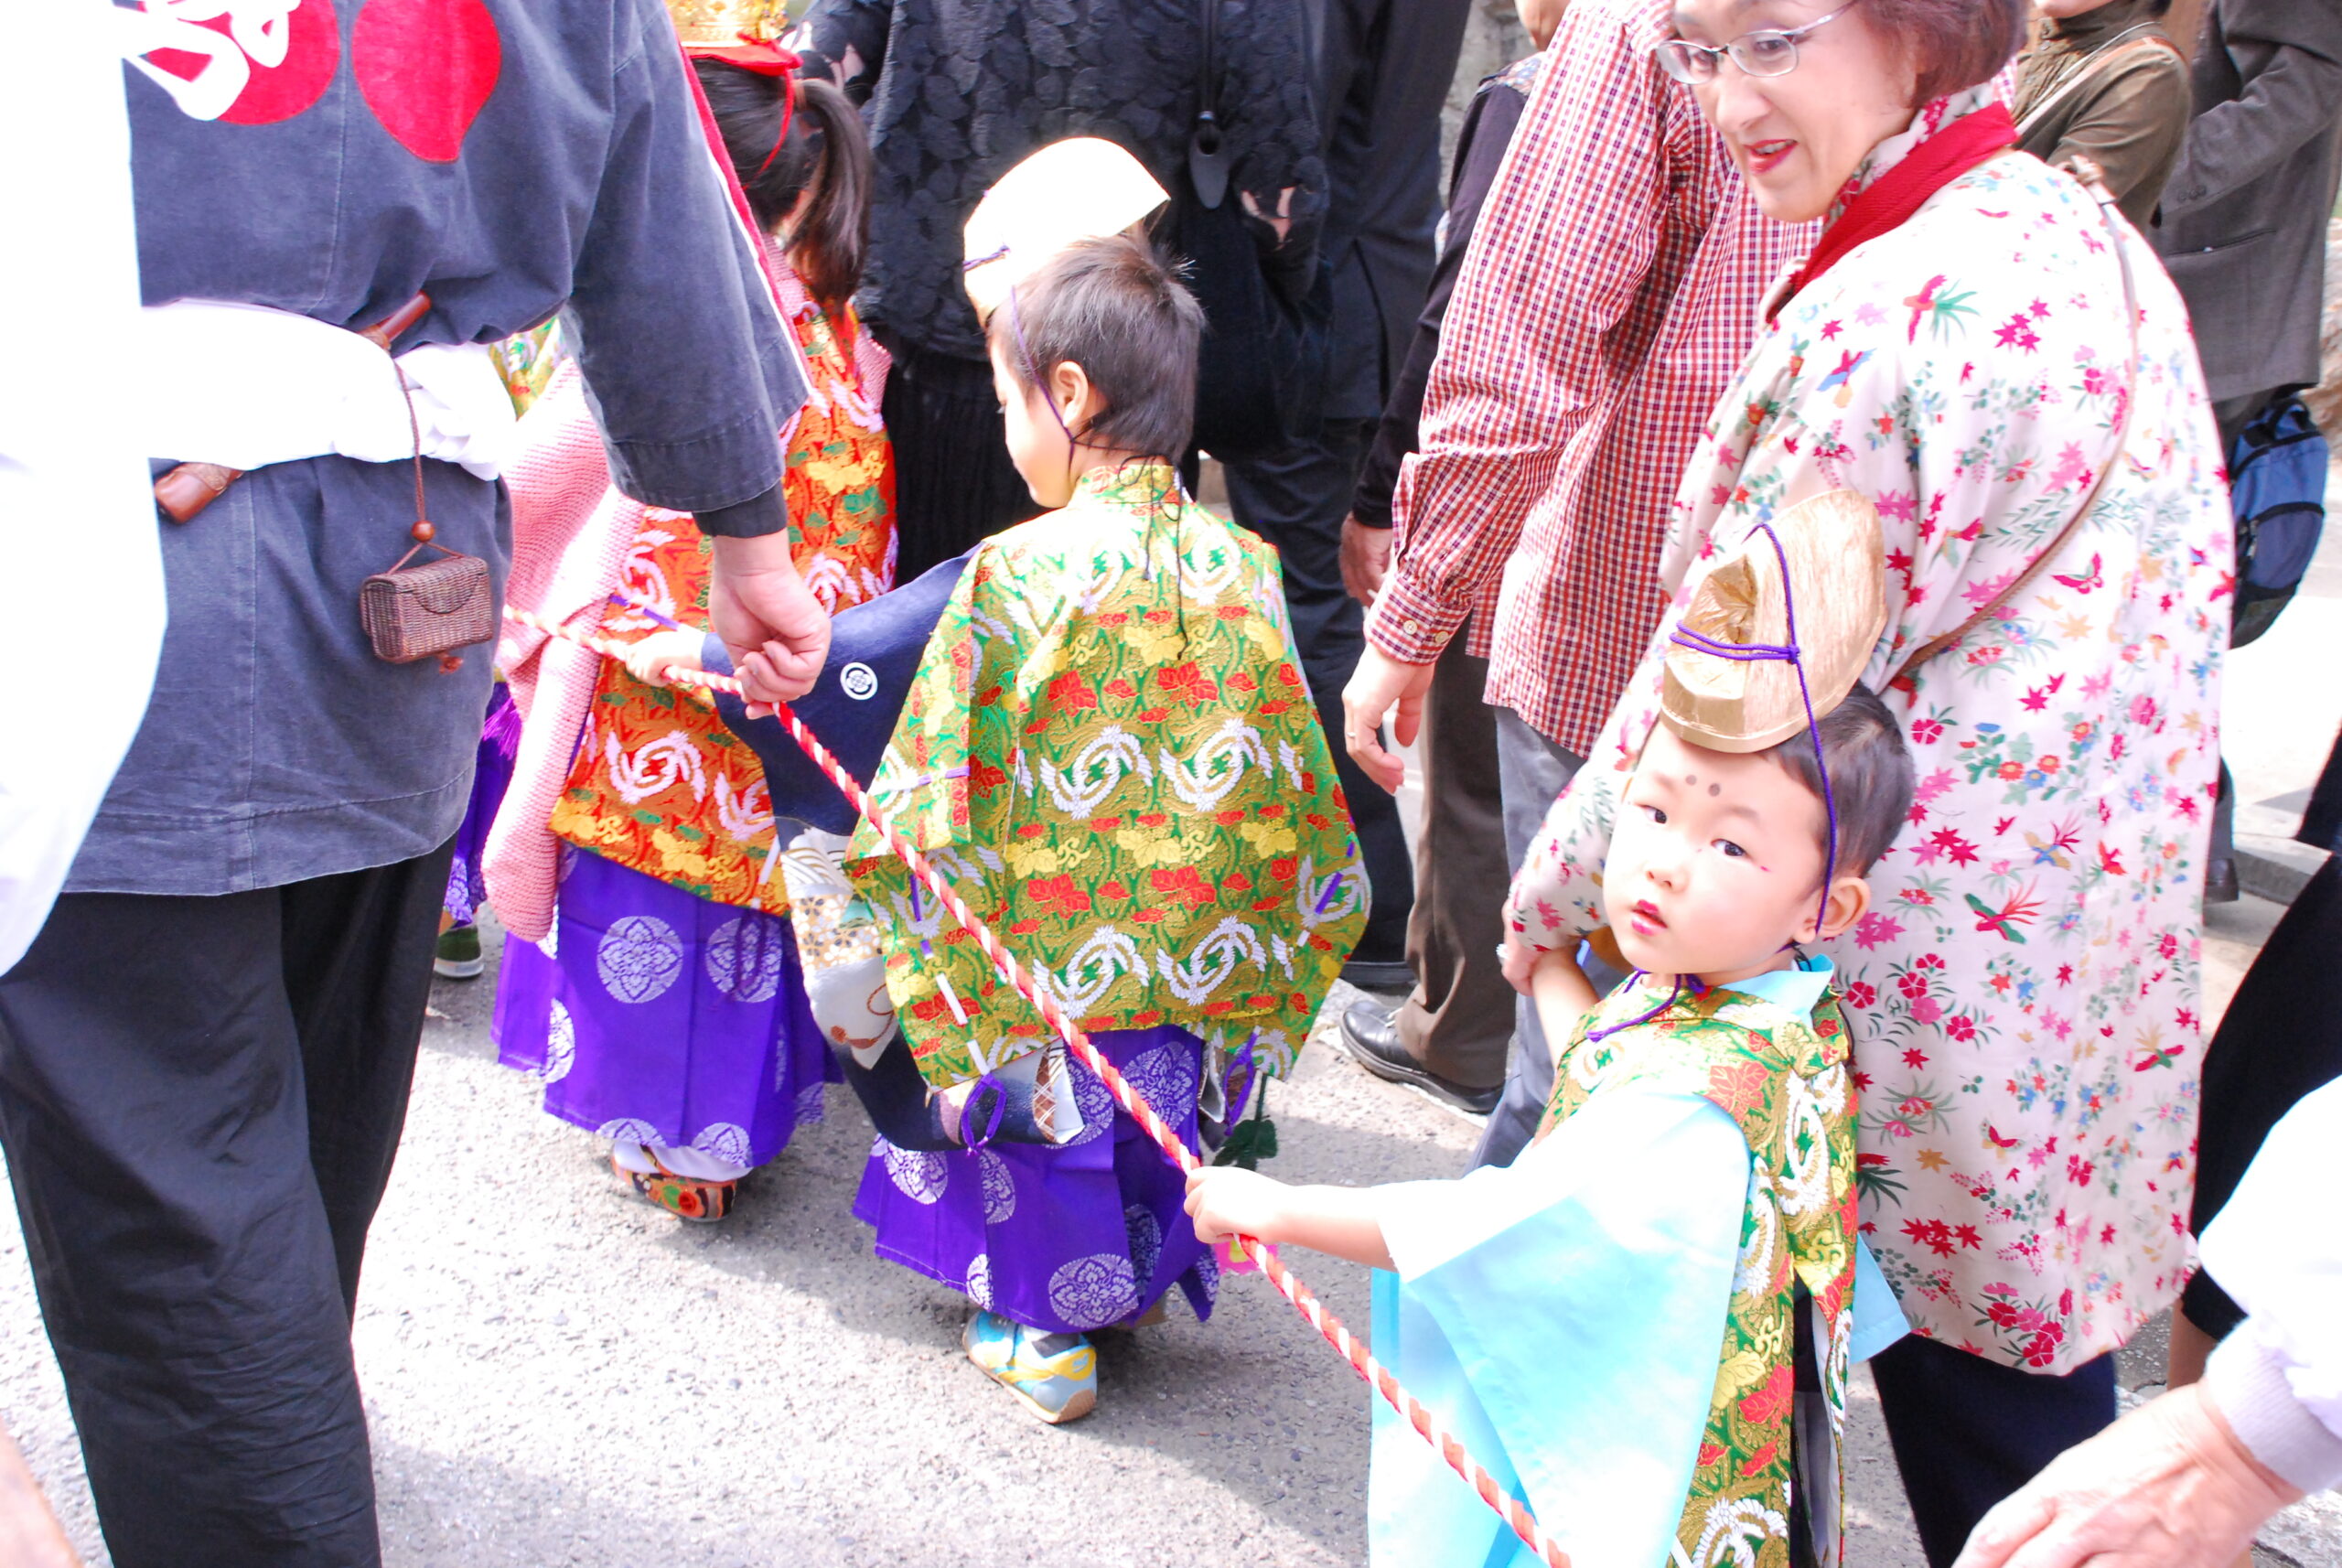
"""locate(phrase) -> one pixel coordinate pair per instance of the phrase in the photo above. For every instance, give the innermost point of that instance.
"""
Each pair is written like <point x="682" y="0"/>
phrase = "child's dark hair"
<point x="1870" y="774"/>
<point x="827" y="151"/>
<point x="1113" y="307"/>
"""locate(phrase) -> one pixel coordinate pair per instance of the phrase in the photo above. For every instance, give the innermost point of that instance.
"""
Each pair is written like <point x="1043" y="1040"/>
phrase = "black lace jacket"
<point x="957" y="92"/>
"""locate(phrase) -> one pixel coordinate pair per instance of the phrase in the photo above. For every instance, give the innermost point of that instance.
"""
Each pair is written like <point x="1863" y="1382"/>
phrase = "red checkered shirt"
<point x="1611" y="289"/>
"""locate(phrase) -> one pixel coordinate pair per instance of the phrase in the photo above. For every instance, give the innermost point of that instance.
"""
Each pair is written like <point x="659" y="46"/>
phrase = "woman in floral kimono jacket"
<point x="2025" y="995"/>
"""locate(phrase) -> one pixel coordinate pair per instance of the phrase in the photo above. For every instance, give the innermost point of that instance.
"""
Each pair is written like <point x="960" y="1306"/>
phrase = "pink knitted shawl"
<point x="571" y="532"/>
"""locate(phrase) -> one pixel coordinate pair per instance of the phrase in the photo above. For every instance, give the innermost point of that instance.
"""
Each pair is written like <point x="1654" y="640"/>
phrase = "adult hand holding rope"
<point x="776" y="630"/>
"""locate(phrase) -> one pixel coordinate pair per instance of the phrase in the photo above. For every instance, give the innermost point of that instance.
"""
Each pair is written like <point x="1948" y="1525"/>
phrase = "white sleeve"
<point x="2278" y="1379"/>
<point x="76" y="501"/>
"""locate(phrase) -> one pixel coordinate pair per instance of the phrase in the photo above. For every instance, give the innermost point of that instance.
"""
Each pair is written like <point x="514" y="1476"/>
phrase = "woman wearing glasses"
<point x="1992" y="359"/>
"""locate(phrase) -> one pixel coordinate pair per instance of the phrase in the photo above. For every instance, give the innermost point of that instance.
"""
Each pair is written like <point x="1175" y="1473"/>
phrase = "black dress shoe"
<point x="2220" y="882"/>
<point x="1370" y="1034"/>
<point x="1367" y="975"/>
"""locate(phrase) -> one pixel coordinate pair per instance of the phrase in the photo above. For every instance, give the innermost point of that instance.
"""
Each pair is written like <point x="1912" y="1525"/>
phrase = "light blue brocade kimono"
<point x="1563" y="1316"/>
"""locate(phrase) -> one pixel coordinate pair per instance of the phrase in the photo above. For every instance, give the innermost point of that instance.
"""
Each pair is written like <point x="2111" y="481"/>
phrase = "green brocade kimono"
<point x="1782" y="1078"/>
<point x="1110" y="753"/>
<point x="1609" y="1323"/>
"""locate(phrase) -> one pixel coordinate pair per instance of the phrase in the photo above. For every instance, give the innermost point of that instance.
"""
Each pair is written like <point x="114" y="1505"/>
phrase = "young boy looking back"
<point x="1622" y="1325"/>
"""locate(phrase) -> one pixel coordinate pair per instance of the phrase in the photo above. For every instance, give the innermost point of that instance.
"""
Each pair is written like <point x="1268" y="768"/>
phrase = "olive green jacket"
<point x="2109" y="85"/>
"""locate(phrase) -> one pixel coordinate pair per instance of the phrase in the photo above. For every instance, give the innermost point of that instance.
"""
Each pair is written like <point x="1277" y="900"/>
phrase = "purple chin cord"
<point x="1751" y="653"/>
<point x="1025" y="350"/>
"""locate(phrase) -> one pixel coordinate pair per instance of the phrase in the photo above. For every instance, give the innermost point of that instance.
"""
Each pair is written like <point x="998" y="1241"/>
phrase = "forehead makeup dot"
<point x="1715" y="788"/>
<point x="1691" y="778"/>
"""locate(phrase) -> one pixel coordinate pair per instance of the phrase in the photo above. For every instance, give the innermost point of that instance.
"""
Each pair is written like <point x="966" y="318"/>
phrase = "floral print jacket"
<point x="2024" y="993"/>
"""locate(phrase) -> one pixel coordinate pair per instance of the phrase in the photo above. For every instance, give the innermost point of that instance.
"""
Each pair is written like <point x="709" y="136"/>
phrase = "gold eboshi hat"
<point x="1779" y="630"/>
<point x="1083" y="187"/>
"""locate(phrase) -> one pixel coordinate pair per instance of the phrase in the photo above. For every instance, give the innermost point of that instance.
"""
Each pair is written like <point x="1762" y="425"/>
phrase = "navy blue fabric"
<point x="875" y="651"/>
<point x="909" y="1114"/>
<point x="1968" y="1432"/>
<point x="584" y="183"/>
<point x="277" y="748"/>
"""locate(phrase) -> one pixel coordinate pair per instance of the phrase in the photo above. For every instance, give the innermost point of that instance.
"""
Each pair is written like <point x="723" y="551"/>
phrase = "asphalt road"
<point x="558" y="1374"/>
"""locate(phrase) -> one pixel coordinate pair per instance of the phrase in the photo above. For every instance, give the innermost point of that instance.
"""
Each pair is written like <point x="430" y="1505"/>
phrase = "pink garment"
<point x="571" y="531"/>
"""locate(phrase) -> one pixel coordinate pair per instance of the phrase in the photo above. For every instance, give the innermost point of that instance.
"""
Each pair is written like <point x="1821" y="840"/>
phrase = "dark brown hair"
<point x="827" y="151"/>
<point x="1951" y="44"/>
<point x="1871" y="783"/>
<point x="1113" y="307"/>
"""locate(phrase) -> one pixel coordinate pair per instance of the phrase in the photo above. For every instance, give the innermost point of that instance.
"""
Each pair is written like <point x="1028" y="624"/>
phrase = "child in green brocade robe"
<point x="1108" y="751"/>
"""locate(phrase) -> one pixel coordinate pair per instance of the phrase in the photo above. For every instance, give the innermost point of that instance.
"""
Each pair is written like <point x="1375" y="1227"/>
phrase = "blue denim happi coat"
<point x="518" y="158"/>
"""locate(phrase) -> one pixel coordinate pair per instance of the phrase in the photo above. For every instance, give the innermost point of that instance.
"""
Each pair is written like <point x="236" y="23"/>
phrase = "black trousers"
<point x="1296" y="501"/>
<point x="954" y="482"/>
<point x="200" y="1100"/>
<point x="1968" y="1432"/>
<point x="2280" y="1039"/>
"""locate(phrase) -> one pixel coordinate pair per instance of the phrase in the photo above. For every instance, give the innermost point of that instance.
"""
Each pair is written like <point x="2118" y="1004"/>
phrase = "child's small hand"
<point x="650" y="659"/>
<point x="1223" y="1200"/>
<point x="1520" y="960"/>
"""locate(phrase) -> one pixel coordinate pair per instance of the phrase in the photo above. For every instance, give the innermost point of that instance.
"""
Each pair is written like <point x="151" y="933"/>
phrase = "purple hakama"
<point x="1067" y="1238"/>
<point x="499" y="738"/>
<point x="660" y="1018"/>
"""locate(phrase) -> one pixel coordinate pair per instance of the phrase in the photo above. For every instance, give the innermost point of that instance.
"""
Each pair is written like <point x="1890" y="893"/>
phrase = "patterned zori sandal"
<point x="687" y="1198"/>
<point x="1054" y="1376"/>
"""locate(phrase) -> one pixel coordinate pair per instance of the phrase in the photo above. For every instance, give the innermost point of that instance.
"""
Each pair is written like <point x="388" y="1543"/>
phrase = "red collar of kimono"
<point x="1899" y="192"/>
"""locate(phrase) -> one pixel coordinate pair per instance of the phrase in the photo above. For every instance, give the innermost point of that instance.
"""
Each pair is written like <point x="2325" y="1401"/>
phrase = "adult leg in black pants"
<point x="1296" y="501"/>
<point x="1968" y="1432"/>
<point x="954" y="483"/>
<point x="200" y="1098"/>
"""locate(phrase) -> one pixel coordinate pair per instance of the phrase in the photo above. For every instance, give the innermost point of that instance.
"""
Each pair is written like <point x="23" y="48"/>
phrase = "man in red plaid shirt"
<point x="1611" y="288"/>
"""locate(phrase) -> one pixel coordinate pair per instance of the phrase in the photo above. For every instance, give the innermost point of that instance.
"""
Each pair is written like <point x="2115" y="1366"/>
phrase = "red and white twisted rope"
<point x="1289" y="1285"/>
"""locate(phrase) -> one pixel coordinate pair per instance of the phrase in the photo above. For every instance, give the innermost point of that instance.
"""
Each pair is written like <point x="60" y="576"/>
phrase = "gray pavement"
<point x="558" y="1374"/>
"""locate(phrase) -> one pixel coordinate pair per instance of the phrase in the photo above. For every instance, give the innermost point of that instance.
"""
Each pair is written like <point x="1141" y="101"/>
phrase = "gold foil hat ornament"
<point x="721" y="24"/>
<point x="1081" y="189"/>
<point x="1812" y="579"/>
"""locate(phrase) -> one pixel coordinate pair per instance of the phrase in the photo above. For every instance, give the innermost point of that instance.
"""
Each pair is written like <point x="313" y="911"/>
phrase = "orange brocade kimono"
<point x="659" y="785"/>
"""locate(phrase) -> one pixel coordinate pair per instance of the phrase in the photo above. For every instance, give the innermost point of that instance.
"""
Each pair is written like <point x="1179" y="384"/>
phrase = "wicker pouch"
<point x="415" y="612"/>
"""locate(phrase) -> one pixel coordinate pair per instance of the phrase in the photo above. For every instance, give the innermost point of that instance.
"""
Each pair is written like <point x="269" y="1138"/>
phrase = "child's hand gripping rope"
<point x="1305" y="1301"/>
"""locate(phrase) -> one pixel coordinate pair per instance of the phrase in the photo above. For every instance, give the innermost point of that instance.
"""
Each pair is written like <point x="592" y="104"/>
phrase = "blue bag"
<point x="2277" y="488"/>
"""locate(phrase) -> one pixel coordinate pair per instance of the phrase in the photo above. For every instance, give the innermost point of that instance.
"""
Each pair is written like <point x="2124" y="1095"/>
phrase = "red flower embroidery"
<point x="1771" y="1398"/>
<point x="1188" y="683"/>
<point x="1185" y="885"/>
<point x="1738" y="1088"/>
<point x="1070" y="694"/>
<point x="1058" y="896"/>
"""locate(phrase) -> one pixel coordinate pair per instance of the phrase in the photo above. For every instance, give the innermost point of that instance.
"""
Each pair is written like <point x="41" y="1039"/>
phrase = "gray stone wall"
<point x="1493" y="39"/>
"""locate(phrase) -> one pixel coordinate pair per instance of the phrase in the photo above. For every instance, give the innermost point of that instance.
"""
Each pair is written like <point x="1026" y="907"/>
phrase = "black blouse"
<point x="958" y="91"/>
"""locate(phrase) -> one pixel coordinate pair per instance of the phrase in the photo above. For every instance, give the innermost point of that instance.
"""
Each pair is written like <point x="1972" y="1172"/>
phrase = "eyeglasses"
<point x="1768" y="52"/>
